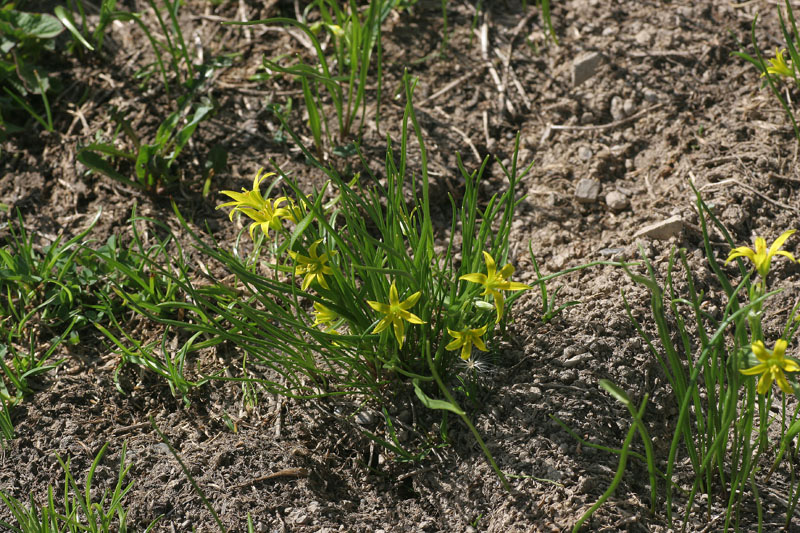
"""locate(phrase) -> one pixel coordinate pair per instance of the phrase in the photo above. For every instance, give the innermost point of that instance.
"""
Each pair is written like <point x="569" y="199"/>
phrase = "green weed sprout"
<point x="153" y="159"/>
<point x="339" y="75"/>
<point x="724" y="426"/>
<point x="46" y="299"/>
<point x="80" y="511"/>
<point x="24" y="37"/>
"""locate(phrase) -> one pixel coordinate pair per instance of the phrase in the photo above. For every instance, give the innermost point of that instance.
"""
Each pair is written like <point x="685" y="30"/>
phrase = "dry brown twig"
<point x="551" y="127"/>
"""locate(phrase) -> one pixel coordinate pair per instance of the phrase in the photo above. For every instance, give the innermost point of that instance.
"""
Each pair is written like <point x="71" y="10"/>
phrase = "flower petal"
<point x="466" y="351"/>
<point x="741" y="251"/>
<point x="474" y="278"/>
<point x="780" y="348"/>
<point x="764" y="383"/>
<point x="499" y="303"/>
<point x="506" y="271"/>
<point x="479" y="344"/>
<point x="382" y="325"/>
<point x="779" y="241"/>
<point x="411" y="317"/>
<point x="491" y="266"/>
<point x="790" y="366"/>
<point x="399" y="330"/>
<point x="411" y="300"/>
<point x="379" y="306"/>
<point x="453" y="344"/>
<point x="760" y="351"/>
<point x="755" y="370"/>
<point x="394" y="299"/>
<point x="783" y="384"/>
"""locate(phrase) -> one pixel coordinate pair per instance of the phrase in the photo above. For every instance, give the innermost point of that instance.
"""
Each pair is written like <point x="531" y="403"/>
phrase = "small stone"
<point x="585" y="66"/>
<point x="559" y="260"/>
<point x="587" y="118"/>
<point x="650" y="96"/>
<point x="587" y="190"/>
<point x="617" y="108"/>
<point x="644" y="37"/>
<point x="574" y="349"/>
<point x="628" y="106"/>
<point x="299" y="517"/>
<point x="585" y="153"/>
<point x="662" y="231"/>
<point x="616" y="201"/>
<point x="364" y="418"/>
<point x="572" y="362"/>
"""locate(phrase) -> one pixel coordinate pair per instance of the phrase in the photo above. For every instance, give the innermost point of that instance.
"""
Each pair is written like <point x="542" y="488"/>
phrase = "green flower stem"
<point x="465" y="419"/>
<point x="623" y="461"/>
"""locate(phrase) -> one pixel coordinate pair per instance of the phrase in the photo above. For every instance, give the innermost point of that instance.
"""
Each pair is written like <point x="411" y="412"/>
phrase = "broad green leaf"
<point x="30" y="25"/>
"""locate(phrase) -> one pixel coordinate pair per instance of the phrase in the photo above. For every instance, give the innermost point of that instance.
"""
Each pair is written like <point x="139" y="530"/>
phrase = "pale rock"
<point x="628" y="106"/>
<point x="577" y="360"/>
<point x="617" y="108"/>
<point x="616" y="201"/>
<point x="585" y="66"/>
<point x="644" y="37"/>
<point x="587" y="190"/>
<point x="663" y="230"/>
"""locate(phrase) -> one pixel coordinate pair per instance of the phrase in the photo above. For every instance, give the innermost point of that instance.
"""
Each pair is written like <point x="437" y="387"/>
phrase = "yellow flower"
<point x="247" y="199"/>
<point x="324" y="316"/>
<point x="313" y="266"/>
<point x="265" y="212"/>
<point x="761" y="257"/>
<point x="773" y="365"/>
<point x="494" y="282"/>
<point x="295" y="212"/>
<point x="396" y="311"/>
<point x="779" y="66"/>
<point x="464" y="339"/>
<point x="269" y="216"/>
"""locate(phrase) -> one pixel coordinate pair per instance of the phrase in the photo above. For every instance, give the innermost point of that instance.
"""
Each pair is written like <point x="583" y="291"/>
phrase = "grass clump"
<point x="727" y="433"/>
<point x="344" y="291"/>
<point x="77" y="511"/>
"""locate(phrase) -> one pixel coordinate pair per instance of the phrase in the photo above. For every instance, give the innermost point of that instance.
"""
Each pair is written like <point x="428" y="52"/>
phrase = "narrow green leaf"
<point x="430" y="403"/>
<point x="66" y="20"/>
<point x="619" y="394"/>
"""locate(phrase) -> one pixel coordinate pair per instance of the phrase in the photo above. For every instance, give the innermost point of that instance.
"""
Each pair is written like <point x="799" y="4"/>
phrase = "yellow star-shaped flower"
<point x="493" y="282"/>
<point x="761" y="257"/>
<point x="324" y="316"/>
<point x="268" y="217"/>
<point x="465" y="339"/>
<point x="267" y="214"/>
<point x="314" y="266"/>
<point x="772" y="367"/>
<point x="779" y="66"/>
<point x="396" y="312"/>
